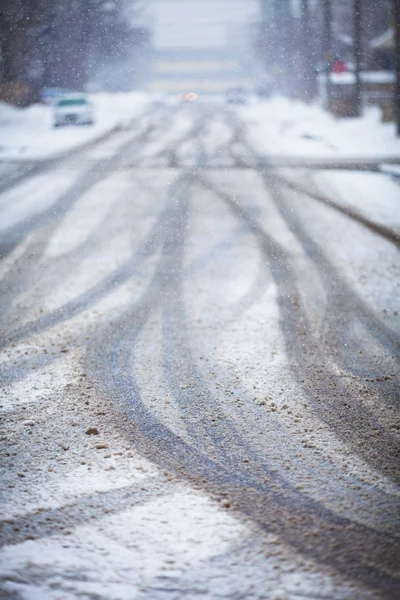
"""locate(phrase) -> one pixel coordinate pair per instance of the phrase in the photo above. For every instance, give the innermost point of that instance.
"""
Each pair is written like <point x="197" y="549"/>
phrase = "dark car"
<point x="236" y="96"/>
<point x="263" y="91"/>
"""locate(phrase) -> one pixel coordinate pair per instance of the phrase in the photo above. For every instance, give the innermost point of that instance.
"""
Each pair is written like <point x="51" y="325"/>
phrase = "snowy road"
<point x="201" y="371"/>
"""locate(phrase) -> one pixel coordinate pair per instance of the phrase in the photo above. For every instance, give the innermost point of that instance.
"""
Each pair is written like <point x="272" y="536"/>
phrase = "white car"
<point x="73" y="109"/>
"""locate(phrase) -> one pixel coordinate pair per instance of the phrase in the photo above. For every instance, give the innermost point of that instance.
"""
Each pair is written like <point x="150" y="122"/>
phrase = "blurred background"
<point x="342" y="52"/>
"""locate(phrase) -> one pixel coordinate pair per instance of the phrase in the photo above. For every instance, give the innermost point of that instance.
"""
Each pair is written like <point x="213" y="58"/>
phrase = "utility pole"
<point x="264" y="14"/>
<point x="357" y="57"/>
<point x="328" y="46"/>
<point x="263" y="33"/>
<point x="264" y="11"/>
<point x="284" y="31"/>
<point x="396" y="17"/>
<point x="268" y="35"/>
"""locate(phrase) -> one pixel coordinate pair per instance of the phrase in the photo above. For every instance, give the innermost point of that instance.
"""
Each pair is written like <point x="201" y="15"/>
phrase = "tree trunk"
<point x="396" y="14"/>
<point x="6" y="55"/>
<point x="327" y="45"/>
<point x="12" y="46"/>
<point x="357" y="57"/>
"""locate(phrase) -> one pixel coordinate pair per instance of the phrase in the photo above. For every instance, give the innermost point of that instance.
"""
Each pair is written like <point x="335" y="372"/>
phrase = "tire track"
<point x="220" y="456"/>
<point x="42" y="225"/>
<point x="333" y="400"/>
<point x="345" y="308"/>
<point x="206" y="459"/>
<point x="46" y="164"/>
<point x="376" y="228"/>
<point x="13" y="236"/>
<point x="94" y="294"/>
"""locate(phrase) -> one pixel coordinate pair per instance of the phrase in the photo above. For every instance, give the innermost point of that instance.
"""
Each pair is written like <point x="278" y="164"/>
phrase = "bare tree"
<point x="60" y="38"/>
<point x="18" y="20"/>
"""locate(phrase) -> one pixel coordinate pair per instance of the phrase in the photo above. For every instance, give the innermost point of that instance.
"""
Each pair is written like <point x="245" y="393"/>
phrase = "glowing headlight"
<point x="191" y="96"/>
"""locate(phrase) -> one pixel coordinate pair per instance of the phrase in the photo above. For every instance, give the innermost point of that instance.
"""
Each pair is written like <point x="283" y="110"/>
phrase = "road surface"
<point x="201" y="375"/>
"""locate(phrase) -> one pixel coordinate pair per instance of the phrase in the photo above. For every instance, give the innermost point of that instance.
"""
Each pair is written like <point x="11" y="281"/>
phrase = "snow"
<point x="175" y="546"/>
<point x="391" y="169"/>
<point x="22" y="201"/>
<point x="277" y="127"/>
<point x="284" y="130"/>
<point x="360" y="191"/>
<point x="27" y="133"/>
<point x="384" y="40"/>
<point x="367" y="77"/>
<point x="281" y="127"/>
<point x="152" y="534"/>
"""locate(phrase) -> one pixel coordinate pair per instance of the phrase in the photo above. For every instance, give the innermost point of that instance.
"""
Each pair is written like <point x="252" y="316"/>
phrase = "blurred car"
<point x="73" y="109"/>
<point x="236" y="96"/>
<point x="263" y="91"/>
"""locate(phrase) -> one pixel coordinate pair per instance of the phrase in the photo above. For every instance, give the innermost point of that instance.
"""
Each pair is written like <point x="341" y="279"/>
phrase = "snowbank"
<point x="367" y="77"/>
<point x="281" y="127"/>
<point x="27" y="133"/>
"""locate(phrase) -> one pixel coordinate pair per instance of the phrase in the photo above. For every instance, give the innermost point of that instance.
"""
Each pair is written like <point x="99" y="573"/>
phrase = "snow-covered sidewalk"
<point x="28" y="133"/>
<point x="282" y="127"/>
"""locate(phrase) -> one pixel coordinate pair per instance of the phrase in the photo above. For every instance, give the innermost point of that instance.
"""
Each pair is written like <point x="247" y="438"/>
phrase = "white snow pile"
<point x="28" y="133"/>
<point x="282" y="127"/>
